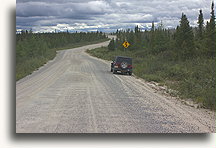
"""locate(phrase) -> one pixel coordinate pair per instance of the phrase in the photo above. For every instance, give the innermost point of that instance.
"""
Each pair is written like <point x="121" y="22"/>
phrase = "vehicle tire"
<point x="130" y="73"/>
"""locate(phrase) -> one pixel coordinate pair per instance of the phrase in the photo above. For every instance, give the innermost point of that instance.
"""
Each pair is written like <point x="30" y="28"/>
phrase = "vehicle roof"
<point x="122" y="57"/>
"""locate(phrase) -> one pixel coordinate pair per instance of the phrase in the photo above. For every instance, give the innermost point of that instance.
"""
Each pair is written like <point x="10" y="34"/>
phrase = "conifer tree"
<point x="212" y="20"/>
<point x="152" y="28"/>
<point x="200" y="25"/>
<point x="136" y="29"/>
<point x="136" y="38"/>
<point x="185" y="38"/>
<point x="111" y="45"/>
<point x="210" y="34"/>
<point x="152" y="36"/>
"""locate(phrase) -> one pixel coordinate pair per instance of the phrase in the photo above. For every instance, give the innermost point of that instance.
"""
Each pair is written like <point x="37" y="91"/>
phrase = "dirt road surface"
<point x="77" y="93"/>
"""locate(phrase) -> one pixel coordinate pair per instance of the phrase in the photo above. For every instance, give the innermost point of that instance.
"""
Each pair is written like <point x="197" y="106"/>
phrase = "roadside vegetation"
<point x="35" y="49"/>
<point x="182" y="59"/>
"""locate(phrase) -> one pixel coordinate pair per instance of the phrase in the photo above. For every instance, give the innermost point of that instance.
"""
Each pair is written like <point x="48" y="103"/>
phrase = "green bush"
<point x="193" y="78"/>
<point x="34" y="50"/>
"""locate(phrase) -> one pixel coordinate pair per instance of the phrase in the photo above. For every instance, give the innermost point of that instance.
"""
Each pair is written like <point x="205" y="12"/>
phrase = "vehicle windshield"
<point x="121" y="59"/>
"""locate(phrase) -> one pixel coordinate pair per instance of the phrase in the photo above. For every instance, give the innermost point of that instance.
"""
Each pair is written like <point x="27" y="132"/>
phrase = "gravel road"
<point x="77" y="93"/>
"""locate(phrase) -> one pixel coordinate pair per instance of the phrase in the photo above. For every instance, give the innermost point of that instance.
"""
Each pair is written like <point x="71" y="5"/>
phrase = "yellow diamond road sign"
<point x="126" y="44"/>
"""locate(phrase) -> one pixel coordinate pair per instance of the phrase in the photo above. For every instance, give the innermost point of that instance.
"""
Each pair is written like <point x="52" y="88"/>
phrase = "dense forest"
<point x="35" y="49"/>
<point x="182" y="58"/>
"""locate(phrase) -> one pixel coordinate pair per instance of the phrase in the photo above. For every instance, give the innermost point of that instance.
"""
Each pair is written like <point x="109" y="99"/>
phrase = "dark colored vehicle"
<point x="122" y="64"/>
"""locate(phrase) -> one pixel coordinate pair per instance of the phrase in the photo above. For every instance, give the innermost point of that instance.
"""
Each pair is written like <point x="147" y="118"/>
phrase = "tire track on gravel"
<point x="76" y="93"/>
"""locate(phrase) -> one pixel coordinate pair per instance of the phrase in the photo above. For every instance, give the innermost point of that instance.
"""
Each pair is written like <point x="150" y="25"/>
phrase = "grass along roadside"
<point x="31" y="64"/>
<point x="193" y="79"/>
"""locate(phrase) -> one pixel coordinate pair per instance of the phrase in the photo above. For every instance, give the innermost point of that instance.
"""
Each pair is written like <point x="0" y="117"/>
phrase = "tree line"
<point x="35" y="49"/>
<point x="181" y="43"/>
<point x="182" y="58"/>
<point x="30" y="45"/>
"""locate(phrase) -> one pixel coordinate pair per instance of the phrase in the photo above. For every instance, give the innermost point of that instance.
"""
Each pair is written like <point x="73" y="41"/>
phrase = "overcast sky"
<point x="105" y="15"/>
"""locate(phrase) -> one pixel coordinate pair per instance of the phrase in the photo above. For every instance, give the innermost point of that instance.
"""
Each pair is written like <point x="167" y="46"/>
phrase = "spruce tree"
<point x="137" y="29"/>
<point x="152" y="36"/>
<point x="210" y="34"/>
<point x="212" y="20"/>
<point x="136" y="44"/>
<point x="111" y="45"/>
<point x="185" y="39"/>
<point x="152" y="28"/>
<point x="200" y="25"/>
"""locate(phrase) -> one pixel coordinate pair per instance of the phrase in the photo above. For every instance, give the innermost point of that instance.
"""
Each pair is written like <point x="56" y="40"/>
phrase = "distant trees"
<point x="34" y="49"/>
<point x="154" y="41"/>
<point x="184" y="56"/>
<point x="37" y="44"/>
<point x="181" y="43"/>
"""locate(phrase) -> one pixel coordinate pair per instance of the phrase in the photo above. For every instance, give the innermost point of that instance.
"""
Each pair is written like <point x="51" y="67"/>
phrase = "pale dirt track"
<point x="76" y="93"/>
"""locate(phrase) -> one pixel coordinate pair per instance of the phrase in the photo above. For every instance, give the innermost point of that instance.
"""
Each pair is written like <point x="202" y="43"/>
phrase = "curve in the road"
<point x="76" y="93"/>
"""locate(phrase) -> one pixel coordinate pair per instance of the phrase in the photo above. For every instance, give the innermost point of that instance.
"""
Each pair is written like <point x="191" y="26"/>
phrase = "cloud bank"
<point x="105" y="15"/>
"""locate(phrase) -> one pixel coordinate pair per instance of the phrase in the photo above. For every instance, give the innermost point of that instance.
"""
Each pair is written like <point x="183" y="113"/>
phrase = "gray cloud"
<point x="105" y="15"/>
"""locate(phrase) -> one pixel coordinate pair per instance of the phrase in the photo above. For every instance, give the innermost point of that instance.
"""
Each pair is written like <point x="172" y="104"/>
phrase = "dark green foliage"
<point x="184" y="39"/>
<point x="180" y="58"/>
<point x="200" y="25"/>
<point x="194" y="79"/>
<point x="153" y="27"/>
<point x="111" y="45"/>
<point x="212" y="19"/>
<point x="34" y="50"/>
<point x="210" y="35"/>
